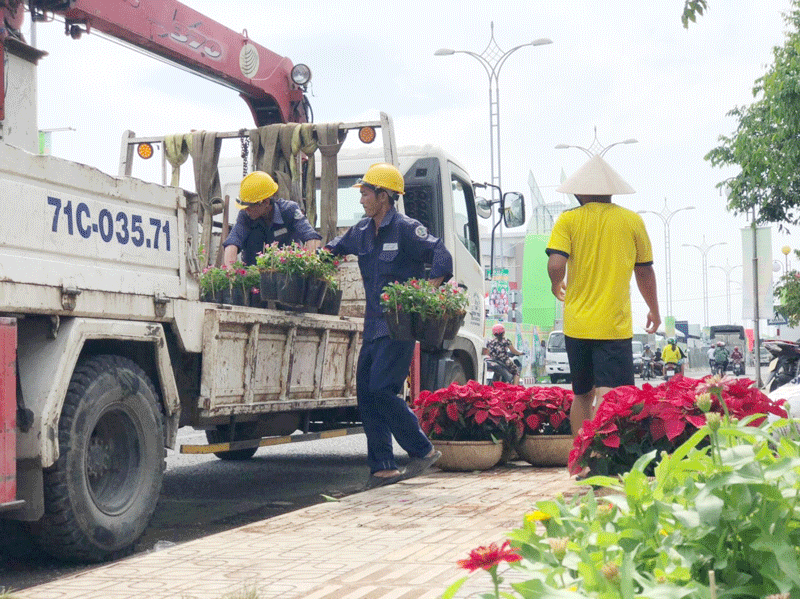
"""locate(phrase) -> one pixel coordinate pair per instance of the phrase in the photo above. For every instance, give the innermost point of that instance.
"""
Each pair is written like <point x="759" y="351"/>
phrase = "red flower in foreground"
<point x="489" y="557"/>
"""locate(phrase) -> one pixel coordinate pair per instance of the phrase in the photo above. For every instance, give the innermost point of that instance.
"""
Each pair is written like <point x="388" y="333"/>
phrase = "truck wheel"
<point x="456" y="374"/>
<point x="243" y="431"/>
<point x="102" y="491"/>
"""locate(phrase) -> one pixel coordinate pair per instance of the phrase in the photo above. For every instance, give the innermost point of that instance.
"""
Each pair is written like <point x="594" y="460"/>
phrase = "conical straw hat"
<point x="595" y="178"/>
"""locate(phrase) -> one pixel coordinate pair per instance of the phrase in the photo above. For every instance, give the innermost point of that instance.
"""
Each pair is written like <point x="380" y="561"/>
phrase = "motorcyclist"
<point x="658" y="363"/>
<point x="736" y="355"/>
<point x="647" y="358"/>
<point x="710" y="355"/>
<point x="672" y="353"/>
<point x="501" y="349"/>
<point x="721" y="357"/>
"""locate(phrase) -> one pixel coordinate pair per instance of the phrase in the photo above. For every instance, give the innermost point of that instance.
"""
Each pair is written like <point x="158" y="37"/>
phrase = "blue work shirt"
<point x="398" y="252"/>
<point x="288" y="224"/>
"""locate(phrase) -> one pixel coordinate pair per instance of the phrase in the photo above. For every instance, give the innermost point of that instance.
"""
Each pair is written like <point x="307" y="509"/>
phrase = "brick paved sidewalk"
<point x="395" y="542"/>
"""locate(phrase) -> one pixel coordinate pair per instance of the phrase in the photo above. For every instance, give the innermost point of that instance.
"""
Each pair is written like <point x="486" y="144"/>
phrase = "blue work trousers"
<point x="382" y="368"/>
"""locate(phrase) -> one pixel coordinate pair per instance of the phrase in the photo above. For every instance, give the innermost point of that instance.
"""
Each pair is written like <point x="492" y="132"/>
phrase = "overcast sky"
<point x="627" y="67"/>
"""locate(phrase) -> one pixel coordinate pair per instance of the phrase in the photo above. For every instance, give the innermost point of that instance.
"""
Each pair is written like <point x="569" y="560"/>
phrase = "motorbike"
<point x="670" y="369"/>
<point x="720" y="368"/>
<point x="499" y="371"/>
<point x="785" y="364"/>
<point x="737" y="367"/>
<point x="647" y="368"/>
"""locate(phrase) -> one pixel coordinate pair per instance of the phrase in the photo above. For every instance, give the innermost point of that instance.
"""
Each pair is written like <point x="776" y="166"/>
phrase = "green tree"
<point x="766" y="143"/>
<point x="787" y="292"/>
<point x="692" y="8"/>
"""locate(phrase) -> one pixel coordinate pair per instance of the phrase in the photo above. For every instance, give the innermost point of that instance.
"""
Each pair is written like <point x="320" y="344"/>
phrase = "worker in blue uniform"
<point x="264" y="219"/>
<point x="390" y="247"/>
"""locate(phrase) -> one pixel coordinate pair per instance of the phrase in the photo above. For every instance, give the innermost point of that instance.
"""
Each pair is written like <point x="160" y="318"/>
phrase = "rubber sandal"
<point x="381" y="481"/>
<point x="419" y="465"/>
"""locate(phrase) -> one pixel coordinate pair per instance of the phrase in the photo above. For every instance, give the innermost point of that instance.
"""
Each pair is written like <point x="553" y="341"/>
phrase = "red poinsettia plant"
<point x="471" y="412"/>
<point x="631" y="422"/>
<point x="475" y="412"/>
<point x="542" y="410"/>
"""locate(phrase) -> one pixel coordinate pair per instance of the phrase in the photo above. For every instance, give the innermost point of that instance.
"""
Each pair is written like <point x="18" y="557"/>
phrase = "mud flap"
<point x="8" y="412"/>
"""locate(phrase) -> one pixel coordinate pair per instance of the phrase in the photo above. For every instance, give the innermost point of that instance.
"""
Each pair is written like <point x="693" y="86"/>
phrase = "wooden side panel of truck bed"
<point x="258" y="361"/>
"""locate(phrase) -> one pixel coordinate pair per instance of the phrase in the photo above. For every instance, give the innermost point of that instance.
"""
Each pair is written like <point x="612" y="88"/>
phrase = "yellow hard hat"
<point x="254" y="188"/>
<point x="383" y="175"/>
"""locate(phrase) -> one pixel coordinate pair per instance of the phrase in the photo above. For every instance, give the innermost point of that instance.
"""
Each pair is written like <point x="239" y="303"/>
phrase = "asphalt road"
<point x="203" y="495"/>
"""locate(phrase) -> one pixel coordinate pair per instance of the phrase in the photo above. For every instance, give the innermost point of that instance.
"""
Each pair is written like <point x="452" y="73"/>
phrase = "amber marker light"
<point x="366" y="134"/>
<point x="144" y="150"/>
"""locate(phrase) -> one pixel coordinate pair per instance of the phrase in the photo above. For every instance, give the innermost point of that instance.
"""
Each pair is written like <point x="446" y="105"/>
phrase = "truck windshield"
<point x="348" y="202"/>
<point x="556" y="342"/>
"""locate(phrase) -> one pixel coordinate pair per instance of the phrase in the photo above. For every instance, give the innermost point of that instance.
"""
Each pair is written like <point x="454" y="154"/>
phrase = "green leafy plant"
<point x="787" y="291"/>
<point x="720" y="517"/>
<point x="214" y="279"/>
<point x="419" y="296"/>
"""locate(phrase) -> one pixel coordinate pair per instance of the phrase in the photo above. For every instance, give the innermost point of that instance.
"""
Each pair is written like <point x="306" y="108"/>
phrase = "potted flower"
<point x="322" y="267"/>
<point x="267" y="264"/>
<point x="631" y="422"/>
<point x="455" y="300"/>
<point x="546" y="436"/>
<point x="417" y="310"/>
<point x="332" y="302"/>
<point x="215" y="285"/>
<point x="467" y="423"/>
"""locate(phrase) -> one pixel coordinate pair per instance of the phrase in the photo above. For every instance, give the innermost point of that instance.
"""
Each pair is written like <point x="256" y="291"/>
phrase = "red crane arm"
<point x="180" y="34"/>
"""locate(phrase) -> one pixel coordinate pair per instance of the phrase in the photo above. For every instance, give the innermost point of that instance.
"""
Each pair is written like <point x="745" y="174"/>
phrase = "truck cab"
<point x="556" y="362"/>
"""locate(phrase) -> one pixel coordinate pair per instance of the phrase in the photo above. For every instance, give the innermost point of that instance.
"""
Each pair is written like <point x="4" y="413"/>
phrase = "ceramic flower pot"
<point x="465" y="456"/>
<point x="545" y="450"/>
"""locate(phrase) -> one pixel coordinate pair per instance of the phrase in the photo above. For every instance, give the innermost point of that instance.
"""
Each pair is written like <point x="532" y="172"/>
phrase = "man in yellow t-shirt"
<point x="598" y="246"/>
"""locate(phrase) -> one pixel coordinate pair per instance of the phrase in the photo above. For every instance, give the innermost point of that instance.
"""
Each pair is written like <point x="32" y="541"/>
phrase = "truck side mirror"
<point x="483" y="207"/>
<point x="513" y="209"/>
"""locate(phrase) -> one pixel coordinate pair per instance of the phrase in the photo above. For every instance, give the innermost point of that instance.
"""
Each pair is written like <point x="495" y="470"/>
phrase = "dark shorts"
<point x="599" y="363"/>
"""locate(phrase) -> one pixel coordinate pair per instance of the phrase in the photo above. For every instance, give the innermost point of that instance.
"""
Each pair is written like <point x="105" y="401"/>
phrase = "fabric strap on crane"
<point x="204" y="150"/>
<point x="330" y="138"/>
<point x="176" y="151"/>
<point x="303" y="141"/>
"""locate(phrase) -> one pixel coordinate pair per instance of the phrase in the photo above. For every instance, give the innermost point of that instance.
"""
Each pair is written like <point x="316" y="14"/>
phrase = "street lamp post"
<point x="786" y="250"/>
<point x="727" y="269"/>
<point x="492" y="58"/>
<point x="704" y="247"/>
<point x="666" y="215"/>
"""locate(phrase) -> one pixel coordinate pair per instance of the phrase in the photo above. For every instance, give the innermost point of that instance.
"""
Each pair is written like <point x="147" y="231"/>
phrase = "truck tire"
<point x="456" y="373"/>
<point x="243" y="431"/>
<point x="102" y="491"/>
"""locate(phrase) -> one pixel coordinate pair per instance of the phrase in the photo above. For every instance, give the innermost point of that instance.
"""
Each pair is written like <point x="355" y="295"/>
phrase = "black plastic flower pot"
<point x="332" y="303"/>
<point x="315" y="293"/>
<point x="399" y="324"/>
<point x="291" y="289"/>
<point x="454" y="323"/>
<point x="269" y="286"/>
<point x="239" y="296"/>
<point x="429" y="330"/>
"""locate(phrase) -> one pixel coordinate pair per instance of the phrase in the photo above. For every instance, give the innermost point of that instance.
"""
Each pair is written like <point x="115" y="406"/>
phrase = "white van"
<point x="555" y="362"/>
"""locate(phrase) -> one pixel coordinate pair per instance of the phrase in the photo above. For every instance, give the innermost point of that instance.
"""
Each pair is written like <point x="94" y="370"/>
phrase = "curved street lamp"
<point x="596" y="148"/>
<point x="492" y="59"/>
<point x="666" y="215"/>
<point x="704" y="247"/>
